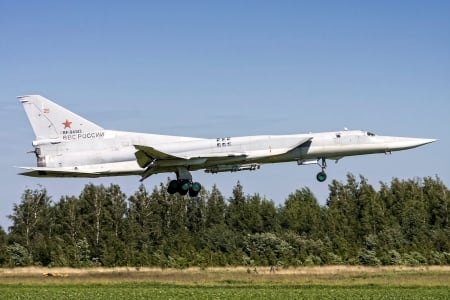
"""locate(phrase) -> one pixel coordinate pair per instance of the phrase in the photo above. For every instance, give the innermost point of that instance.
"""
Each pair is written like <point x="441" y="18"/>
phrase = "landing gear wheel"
<point x="183" y="187"/>
<point x="184" y="184"/>
<point x="195" y="189"/>
<point x="321" y="176"/>
<point x="173" y="187"/>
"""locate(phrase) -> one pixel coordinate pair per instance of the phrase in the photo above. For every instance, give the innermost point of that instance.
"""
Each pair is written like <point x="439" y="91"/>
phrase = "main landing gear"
<point x="184" y="184"/>
<point x="322" y="176"/>
<point x="183" y="187"/>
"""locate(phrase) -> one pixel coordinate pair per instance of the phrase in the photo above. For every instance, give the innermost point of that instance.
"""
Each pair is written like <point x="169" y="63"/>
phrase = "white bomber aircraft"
<point x="68" y="145"/>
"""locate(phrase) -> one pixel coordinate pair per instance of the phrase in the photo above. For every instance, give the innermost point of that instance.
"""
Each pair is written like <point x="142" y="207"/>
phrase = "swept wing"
<point x="157" y="161"/>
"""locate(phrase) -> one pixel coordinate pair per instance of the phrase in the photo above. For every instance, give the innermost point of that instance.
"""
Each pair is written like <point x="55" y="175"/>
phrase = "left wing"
<point x="156" y="161"/>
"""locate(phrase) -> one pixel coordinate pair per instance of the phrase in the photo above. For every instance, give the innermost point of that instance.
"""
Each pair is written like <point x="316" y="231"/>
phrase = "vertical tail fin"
<point x="52" y="121"/>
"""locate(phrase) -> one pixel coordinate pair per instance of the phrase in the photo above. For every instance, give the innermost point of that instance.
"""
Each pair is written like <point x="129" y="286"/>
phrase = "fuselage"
<point x="113" y="153"/>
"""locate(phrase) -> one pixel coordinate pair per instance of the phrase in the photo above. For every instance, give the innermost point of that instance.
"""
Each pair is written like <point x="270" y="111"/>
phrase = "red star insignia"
<point x="67" y="124"/>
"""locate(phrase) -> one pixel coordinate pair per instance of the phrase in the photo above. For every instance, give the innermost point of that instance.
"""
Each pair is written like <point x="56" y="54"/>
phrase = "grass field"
<point x="331" y="282"/>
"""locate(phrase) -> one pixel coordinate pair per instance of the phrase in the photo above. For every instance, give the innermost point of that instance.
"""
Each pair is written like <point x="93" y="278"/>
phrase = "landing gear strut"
<point x="322" y="176"/>
<point x="184" y="184"/>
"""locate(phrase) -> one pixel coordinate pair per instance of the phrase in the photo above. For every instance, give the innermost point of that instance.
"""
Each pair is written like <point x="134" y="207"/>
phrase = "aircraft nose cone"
<point x="408" y="143"/>
<point x="421" y="142"/>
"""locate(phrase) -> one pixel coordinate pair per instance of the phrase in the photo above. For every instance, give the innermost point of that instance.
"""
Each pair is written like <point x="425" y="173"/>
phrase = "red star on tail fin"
<point x="67" y="124"/>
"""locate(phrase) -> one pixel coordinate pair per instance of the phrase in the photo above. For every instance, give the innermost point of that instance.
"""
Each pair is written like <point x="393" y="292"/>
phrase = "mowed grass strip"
<point x="330" y="282"/>
<point x="167" y="291"/>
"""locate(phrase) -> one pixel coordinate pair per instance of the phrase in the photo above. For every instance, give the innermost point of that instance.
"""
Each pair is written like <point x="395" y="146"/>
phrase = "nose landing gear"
<point x="322" y="176"/>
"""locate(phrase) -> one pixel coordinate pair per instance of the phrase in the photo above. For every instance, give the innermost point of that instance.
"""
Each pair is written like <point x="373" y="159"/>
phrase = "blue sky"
<point x="231" y="68"/>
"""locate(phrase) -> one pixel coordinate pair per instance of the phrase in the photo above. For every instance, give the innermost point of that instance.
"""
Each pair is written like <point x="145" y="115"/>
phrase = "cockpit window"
<point x="370" y="133"/>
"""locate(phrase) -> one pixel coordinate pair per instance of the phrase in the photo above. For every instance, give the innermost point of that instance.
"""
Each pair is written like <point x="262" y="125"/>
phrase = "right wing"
<point x="74" y="172"/>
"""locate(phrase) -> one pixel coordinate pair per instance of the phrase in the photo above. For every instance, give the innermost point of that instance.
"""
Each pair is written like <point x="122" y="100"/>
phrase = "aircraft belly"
<point x="68" y="159"/>
<point x="345" y="150"/>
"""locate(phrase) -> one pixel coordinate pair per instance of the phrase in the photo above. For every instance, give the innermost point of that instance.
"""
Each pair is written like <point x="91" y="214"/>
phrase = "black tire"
<point x="321" y="176"/>
<point x="172" y="188"/>
<point x="192" y="193"/>
<point x="183" y="187"/>
<point x="195" y="189"/>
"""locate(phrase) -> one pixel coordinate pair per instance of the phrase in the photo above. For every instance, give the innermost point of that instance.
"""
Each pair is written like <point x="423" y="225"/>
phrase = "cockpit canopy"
<point x="354" y="133"/>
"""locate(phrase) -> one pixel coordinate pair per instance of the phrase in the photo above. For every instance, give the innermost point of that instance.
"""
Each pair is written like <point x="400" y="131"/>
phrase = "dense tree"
<point x="302" y="214"/>
<point x="404" y="222"/>
<point x="220" y="242"/>
<point x="341" y="223"/>
<point x="31" y="224"/>
<point x="3" y="245"/>
<point x="269" y="216"/>
<point x="68" y="231"/>
<point x="237" y="211"/>
<point x="215" y="208"/>
<point x="92" y="210"/>
<point x="114" y="234"/>
<point x="143" y="232"/>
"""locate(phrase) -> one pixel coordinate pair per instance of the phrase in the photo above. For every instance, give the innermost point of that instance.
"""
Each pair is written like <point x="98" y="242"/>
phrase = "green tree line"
<point x="404" y="222"/>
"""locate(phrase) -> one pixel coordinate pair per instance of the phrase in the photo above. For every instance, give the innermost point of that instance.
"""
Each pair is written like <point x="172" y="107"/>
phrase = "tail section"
<point x="52" y="121"/>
